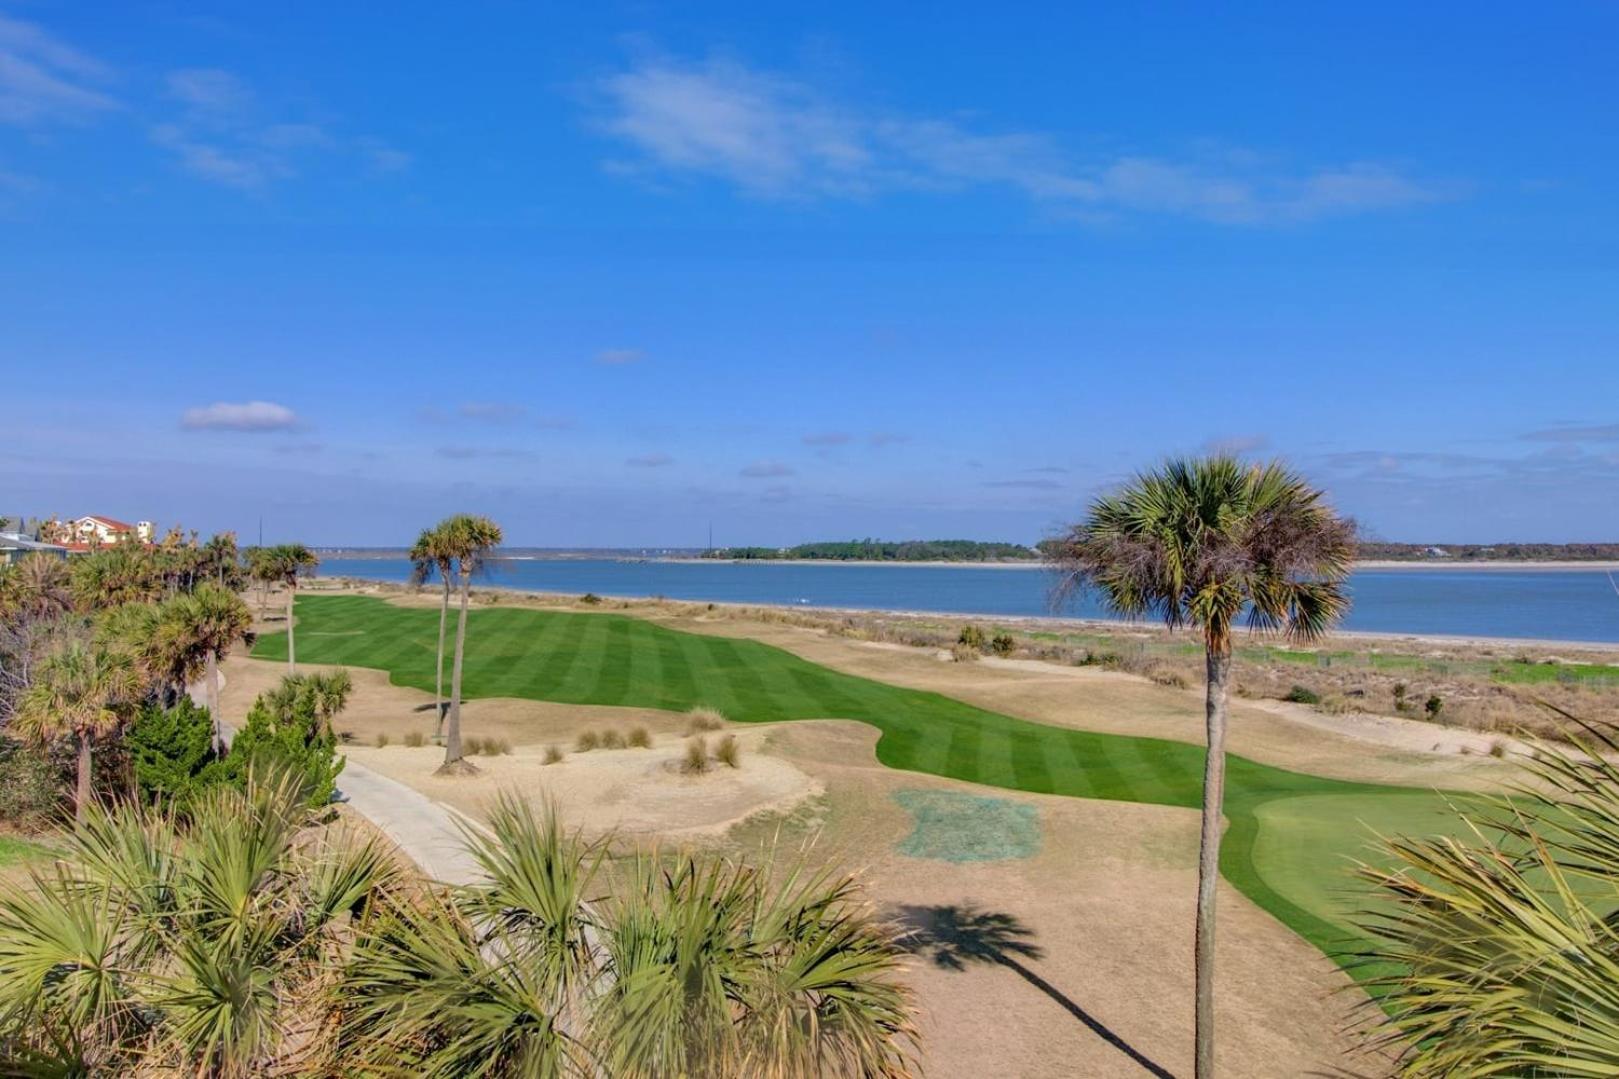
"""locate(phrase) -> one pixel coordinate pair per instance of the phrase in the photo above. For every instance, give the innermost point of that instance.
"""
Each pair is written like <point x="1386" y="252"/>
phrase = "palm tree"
<point x="469" y="539"/>
<point x="1497" y="953"/>
<point x="1197" y="543"/>
<point x="84" y="691"/>
<point x="211" y="620"/>
<point x="431" y="553"/>
<point x="196" y="944"/>
<point x="40" y="587"/>
<point x="695" y="967"/>
<point x="286" y="563"/>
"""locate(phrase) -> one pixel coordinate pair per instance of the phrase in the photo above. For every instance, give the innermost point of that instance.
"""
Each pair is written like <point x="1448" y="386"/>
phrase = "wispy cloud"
<point x="828" y="438"/>
<point x="1024" y="485"/>
<point x="887" y="438"/>
<point x="650" y="460"/>
<point x="776" y="137"/>
<point x="1236" y="445"/>
<point x="468" y="453"/>
<point x="761" y="470"/>
<point x="617" y="357"/>
<point x="1602" y="432"/>
<point x="1054" y="470"/>
<point x="43" y="80"/>
<point x="491" y="411"/>
<point x="223" y="133"/>
<point x="245" y="416"/>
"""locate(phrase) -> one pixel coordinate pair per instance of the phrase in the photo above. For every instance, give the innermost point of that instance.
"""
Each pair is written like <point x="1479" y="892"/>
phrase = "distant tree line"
<point x="1489" y="552"/>
<point x="871" y="550"/>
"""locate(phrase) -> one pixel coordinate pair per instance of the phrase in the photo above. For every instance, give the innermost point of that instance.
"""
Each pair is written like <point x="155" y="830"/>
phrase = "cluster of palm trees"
<point x="457" y="545"/>
<point x="243" y="938"/>
<point x="284" y="564"/>
<point x="88" y="644"/>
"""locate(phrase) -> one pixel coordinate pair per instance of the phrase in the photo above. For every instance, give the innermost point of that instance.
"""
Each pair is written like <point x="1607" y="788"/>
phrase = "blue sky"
<point x="615" y="272"/>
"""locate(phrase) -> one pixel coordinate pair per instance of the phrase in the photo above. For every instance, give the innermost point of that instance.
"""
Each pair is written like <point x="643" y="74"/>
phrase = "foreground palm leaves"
<point x="1502" y="952"/>
<point x="246" y="939"/>
<point x="688" y="967"/>
<point x="202" y="944"/>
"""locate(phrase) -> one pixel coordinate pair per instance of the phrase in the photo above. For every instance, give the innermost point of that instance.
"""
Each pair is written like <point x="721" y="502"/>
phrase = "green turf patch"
<point x="14" y="851"/>
<point x="952" y="826"/>
<point x="599" y="658"/>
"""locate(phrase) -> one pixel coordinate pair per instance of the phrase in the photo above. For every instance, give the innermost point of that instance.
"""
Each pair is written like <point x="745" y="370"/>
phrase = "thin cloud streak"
<point x="777" y="138"/>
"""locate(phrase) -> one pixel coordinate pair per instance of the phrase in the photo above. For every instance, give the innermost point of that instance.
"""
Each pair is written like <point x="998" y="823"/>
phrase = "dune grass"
<point x="1290" y="838"/>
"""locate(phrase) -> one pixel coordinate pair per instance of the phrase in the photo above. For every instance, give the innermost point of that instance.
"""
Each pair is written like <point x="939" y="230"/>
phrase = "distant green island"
<point x="870" y="550"/>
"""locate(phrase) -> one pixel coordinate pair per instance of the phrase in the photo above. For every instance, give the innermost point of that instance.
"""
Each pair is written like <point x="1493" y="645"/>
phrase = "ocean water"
<point x="1569" y="605"/>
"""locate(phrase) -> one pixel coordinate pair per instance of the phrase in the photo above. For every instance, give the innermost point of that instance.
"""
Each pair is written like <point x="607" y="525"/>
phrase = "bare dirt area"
<point x="1072" y="960"/>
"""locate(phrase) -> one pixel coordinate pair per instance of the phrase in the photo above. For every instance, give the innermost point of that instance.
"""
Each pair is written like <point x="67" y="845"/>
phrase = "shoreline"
<point x="1054" y="621"/>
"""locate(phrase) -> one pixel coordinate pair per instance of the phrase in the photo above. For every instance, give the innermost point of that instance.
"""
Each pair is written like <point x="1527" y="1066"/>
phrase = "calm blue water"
<point x="1571" y="605"/>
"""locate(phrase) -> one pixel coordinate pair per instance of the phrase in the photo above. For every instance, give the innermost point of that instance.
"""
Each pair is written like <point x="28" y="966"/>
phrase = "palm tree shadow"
<point x="956" y="937"/>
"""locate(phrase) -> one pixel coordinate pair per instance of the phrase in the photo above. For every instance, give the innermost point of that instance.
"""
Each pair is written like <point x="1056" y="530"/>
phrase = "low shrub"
<point x="1302" y="695"/>
<point x="964" y="653"/>
<point x="1433" y="706"/>
<point x="590" y="599"/>
<point x="415" y="739"/>
<point x="381" y="739"/>
<point x="553" y="755"/>
<point x="972" y="637"/>
<point x="1163" y="676"/>
<point x="703" y="718"/>
<point x="172" y="750"/>
<point x="1498" y="748"/>
<point x="493" y="747"/>
<point x="1002" y="644"/>
<point x="695" y="762"/>
<point x="639" y="738"/>
<point x="611" y="739"/>
<point x="1336" y="704"/>
<point x="587" y="741"/>
<point x="33" y="786"/>
<point x="472" y="746"/>
<point x="728" y="752"/>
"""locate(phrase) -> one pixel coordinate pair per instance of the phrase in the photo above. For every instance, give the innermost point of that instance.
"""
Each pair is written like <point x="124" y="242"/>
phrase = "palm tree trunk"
<point x="452" y="738"/>
<point x="81" y="796"/>
<point x="292" y="660"/>
<point x="213" y="701"/>
<point x="1208" y="861"/>
<point x="438" y="670"/>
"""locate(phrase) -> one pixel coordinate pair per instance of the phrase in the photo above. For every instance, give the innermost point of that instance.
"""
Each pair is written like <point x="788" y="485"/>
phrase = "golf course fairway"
<point x="1291" y="836"/>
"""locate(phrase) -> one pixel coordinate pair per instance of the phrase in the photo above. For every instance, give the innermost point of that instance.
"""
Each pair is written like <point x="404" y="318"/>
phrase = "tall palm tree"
<point x="697" y="966"/>
<point x="432" y="553"/>
<point x="211" y="620"/>
<point x="1198" y="543"/>
<point x="469" y="539"/>
<point x="84" y="691"/>
<point x="287" y="563"/>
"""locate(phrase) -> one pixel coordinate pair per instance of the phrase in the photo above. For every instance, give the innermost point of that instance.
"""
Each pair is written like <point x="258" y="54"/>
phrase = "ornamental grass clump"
<point x="695" y="760"/>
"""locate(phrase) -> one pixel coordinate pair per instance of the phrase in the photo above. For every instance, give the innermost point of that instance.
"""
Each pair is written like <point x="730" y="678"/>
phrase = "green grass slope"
<point x="1291" y="835"/>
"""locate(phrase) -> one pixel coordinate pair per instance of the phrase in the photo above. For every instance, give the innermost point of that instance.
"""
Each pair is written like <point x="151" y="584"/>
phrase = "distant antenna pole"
<point x="261" y="530"/>
<point x="711" y="537"/>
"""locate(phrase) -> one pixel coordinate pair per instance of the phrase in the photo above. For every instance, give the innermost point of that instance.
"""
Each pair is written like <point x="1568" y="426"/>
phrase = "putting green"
<point x="1290" y="835"/>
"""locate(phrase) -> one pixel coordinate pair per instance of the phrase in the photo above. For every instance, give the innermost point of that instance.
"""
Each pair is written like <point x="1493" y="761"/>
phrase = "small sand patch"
<point x="629" y="791"/>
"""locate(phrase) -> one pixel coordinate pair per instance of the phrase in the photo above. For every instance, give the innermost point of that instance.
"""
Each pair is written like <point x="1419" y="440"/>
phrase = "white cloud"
<point x="774" y="137"/>
<point x="467" y="453"/>
<point x="1602" y="432"/>
<point x="44" y="80"/>
<point x="222" y="133"/>
<point x="247" y="416"/>
<point x="491" y="411"/>
<point x="760" y="470"/>
<point x="617" y="357"/>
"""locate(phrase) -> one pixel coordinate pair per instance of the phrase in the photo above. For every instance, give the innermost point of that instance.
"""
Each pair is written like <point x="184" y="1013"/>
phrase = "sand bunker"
<point x="628" y="791"/>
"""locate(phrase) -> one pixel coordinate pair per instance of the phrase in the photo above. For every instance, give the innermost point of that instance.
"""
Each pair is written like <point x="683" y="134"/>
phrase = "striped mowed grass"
<point x="613" y="659"/>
